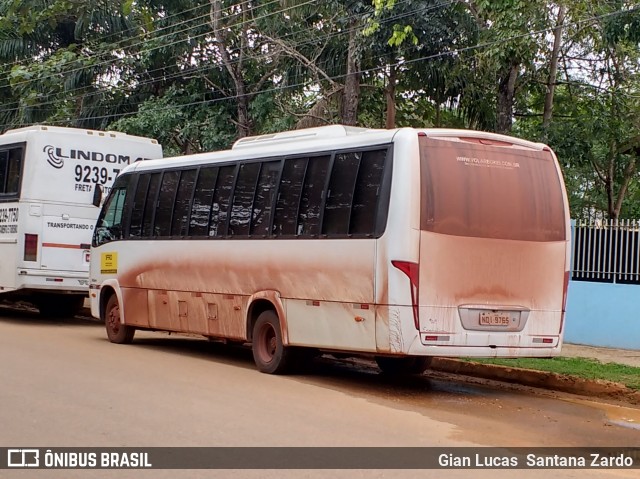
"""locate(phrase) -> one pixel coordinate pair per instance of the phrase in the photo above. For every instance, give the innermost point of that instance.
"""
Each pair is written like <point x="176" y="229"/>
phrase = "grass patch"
<point x="580" y="367"/>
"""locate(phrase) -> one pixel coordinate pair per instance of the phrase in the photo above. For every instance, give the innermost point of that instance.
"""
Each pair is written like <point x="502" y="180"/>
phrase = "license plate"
<point x="495" y="318"/>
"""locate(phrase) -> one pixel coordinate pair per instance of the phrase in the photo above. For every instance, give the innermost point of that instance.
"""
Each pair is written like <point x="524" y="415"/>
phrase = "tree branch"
<point x="302" y="59"/>
<point x="215" y="15"/>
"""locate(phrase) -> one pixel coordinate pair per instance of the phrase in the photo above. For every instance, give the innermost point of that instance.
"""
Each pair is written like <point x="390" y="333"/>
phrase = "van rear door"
<point x="66" y="238"/>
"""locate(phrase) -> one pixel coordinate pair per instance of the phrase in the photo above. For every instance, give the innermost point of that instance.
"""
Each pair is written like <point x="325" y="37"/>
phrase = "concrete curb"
<point x="538" y="379"/>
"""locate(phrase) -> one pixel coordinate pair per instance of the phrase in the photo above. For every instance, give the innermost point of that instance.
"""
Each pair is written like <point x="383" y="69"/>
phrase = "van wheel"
<point x="404" y="365"/>
<point x="116" y="331"/>
<point x="269" y="354"/>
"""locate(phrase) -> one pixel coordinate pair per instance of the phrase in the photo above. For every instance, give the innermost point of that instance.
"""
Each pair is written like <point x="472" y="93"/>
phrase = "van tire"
<point x="116" y="331"/>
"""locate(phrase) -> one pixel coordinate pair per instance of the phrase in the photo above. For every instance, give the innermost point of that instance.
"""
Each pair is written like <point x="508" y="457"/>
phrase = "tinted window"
<point x="490" y="191"/>
<point x="337" y="211"/>
<point x="4" y="170"/>
<point x="180" y="224"/>
<point x="221" y="201"/>
<point x="109" y="226"/>
<point x="150" y="205"/>
<point x="243" y="194"/>
<point x="202" y="199"/>
<point x="137" y="212"/>
<point x="312" y="196"/>
<point x="286" y="214"/>
<point x="10" y="171"/>
<point x="166" y="197"/>
<point x="365" y="197"/>
<point x="265" y="194"/>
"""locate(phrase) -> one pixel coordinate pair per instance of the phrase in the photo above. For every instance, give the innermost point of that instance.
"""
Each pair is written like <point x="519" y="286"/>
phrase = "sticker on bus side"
<point x="109" y="263"/>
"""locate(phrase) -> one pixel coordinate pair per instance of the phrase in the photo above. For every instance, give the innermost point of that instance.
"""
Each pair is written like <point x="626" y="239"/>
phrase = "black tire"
<point x="269" y="354"/>
<point x="116" y="331"/>
<point x="59" y="306"/>
<point x="403" y="365"/>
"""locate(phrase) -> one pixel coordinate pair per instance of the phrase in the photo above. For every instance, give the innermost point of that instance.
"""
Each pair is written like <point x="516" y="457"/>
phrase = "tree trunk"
<point x="351" y="93"/>
<point x="244" y="120"/>
<point x="390" y="94"/>
<point x="553" y="68"/>
<point x="233" y="66"/>
<point x="506" y="95"/>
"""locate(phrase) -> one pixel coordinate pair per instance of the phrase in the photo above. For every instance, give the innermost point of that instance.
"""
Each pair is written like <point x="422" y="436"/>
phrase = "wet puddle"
<point x="616" y="415"/>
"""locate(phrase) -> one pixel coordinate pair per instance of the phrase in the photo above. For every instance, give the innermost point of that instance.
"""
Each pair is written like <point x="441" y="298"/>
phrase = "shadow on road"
<point x="25" y="314"/>
<point x="356" y="376"/>
<point x="359" y="376"/>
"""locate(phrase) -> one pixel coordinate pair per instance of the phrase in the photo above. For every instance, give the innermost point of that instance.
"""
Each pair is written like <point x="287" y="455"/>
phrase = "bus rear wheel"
<point x="116" y="331"/>
<point x="269" y="354"/>
<point x="404" y="365"/>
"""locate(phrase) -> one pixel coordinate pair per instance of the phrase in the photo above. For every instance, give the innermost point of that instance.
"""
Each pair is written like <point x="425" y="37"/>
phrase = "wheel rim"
<point x="113" y="319"/>
<point x="267" y="343"/>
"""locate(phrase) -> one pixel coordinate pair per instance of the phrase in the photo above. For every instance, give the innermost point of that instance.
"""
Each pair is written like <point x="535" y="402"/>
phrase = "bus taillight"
<point x="30" y="247"/>
<point x="412" y="270"/>
<point x="567" y="277"/>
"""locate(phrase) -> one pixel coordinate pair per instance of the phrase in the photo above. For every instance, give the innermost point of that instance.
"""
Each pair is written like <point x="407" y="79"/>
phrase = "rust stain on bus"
<point x="241" y="283"/>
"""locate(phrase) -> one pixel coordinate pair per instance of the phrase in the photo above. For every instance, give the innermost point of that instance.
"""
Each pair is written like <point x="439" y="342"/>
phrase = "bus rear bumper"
<point x="54" y="281"/>
<point x="489" y="351"/>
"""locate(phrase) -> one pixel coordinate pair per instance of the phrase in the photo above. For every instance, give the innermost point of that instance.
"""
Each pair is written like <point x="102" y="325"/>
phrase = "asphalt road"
<point x="63" y="384"/>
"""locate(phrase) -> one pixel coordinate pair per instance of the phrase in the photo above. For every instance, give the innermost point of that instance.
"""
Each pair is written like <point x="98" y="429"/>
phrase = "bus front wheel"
<point x="116" y="331"/>
<point x="269" y="354"/>
<point x="404" y="365"/>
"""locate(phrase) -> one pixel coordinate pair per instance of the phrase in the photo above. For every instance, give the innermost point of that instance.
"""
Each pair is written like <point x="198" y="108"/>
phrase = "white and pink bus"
<point x="398" y="244"/>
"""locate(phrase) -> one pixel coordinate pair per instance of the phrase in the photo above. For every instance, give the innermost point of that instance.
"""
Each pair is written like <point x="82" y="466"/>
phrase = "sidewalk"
<point x="554" y="381"/>
<point x="605" y="355"/>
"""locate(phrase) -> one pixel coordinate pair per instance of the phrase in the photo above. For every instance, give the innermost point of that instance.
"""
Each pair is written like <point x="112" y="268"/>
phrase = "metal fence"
<point x="606" y="251"/>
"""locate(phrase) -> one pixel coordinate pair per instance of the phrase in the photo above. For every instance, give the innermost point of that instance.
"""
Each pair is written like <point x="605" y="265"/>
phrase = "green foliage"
<point x="180" y="126"/>
<point x="155" y="68"/>
<point x="579" y="367"/>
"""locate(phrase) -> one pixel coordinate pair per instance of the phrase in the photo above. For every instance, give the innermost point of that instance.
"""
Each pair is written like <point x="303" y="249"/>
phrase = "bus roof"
<point x="46" y="129"/>
<point x="318" y="133"/>
<point x="320" y="139"/>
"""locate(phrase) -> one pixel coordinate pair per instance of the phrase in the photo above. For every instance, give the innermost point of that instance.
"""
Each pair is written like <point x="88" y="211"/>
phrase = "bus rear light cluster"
<point x="412" y="270"/>
<point x="30" y="247"/>
<point x="567" y="277"/>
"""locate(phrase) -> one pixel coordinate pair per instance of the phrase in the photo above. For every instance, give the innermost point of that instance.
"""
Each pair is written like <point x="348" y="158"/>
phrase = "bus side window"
<point x="166" y="198"/>
<point x="312" y="195"/>
<point x="285" y="218"/>
<point x="13" y="178"/>
<point x="367" y="193"/>
<point x="240" y="220"/>
<point x="222" y="201"/>
<point x="109" y="227"/>
<point x="137" y="213"/>
<point x="4" y="171"/>
<point x="180" y="223"/>
<point x="202" y="199"/>
<point x="337" y="211"/>
<point x="265" y="195"/>
<point x="10" y="171"/>
<point x="150" y="205"/>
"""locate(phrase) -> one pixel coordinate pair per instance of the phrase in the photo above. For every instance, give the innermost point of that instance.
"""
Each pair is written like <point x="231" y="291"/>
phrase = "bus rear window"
<point x="490" y="191"/>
